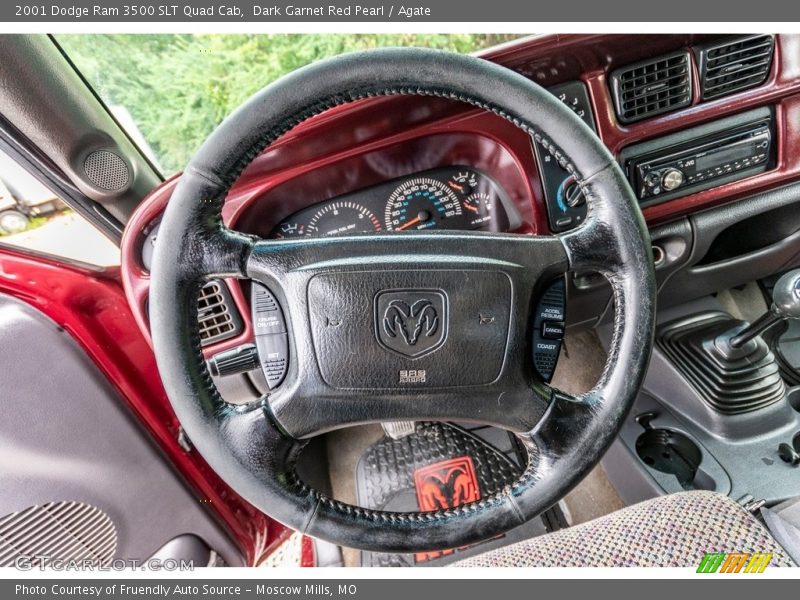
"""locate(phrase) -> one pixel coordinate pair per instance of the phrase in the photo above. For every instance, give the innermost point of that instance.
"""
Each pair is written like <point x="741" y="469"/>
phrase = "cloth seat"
<point x="676" y="530"/>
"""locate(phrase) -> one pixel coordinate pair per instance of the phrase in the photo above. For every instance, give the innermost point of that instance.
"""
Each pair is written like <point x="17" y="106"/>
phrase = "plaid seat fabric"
<point x="671" y="531"/>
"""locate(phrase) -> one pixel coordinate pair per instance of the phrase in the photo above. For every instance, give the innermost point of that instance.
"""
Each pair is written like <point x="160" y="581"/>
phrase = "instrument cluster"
<point x="457" y="197"/>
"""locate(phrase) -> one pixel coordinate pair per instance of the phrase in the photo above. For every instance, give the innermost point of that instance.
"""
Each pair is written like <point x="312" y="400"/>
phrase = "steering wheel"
<point x="336" y="375"/>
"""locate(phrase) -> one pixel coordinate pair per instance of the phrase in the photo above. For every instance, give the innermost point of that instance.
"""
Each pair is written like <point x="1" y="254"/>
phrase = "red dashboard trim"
<point x="781" y="90"/>
<point x="349" y="131"/>
<point x="352" y="131"/>
<point x="787" y="170"/>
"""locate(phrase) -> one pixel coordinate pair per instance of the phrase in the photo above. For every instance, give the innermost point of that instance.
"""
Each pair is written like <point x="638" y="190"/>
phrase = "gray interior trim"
<point x="740" y="452"/>
<point x="44" y="171"/>
<point x="66" y="435"/>
<point x="187" y="547"/>
<point x="47" y="101"/>
<point x="686" y="242"/>
<point x="696" y="280"/>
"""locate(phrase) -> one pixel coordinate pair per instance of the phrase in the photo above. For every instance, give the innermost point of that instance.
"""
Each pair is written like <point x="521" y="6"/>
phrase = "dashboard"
<point x="457" y="197"/>
<point x="387" y="165"/>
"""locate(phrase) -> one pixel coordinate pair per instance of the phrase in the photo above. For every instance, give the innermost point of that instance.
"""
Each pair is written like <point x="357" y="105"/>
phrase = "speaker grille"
<point x="69" y="531"/>
<point x="106" y="170"/>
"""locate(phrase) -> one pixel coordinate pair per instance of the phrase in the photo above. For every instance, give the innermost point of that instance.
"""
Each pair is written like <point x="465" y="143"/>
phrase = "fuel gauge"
<point x="479" y="207"/>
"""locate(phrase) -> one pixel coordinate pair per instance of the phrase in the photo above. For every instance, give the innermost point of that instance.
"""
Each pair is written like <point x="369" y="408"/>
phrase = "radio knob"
<point x="672" y="179"/>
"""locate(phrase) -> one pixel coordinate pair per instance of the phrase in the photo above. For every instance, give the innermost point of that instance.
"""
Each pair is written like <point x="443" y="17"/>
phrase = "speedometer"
<point x="421" y="203"/>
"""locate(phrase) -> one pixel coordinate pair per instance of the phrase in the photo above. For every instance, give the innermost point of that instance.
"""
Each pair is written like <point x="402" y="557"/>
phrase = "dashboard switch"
<point x="272" y="340"/>
<point x="548" y="329"/>
<point x="236" y="360"/>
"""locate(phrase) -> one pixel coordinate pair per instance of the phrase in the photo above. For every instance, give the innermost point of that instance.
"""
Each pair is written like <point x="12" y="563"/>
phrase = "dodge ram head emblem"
<point x="411" y="322"/>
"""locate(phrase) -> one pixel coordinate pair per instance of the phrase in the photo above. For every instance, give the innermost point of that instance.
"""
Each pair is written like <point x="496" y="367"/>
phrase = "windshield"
<point x="171" y="91"/>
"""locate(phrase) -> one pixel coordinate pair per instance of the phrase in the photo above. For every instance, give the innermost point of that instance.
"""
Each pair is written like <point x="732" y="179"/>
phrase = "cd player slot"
<point x="701" y="158"/>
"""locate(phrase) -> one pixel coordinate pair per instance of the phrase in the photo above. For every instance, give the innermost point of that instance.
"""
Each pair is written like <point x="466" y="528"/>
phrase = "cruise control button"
<point x="273" y="353"/>
<point x="267" y="313"/>
<point x="550" y="313"/>
<point x="552" y="330"/>
<point x="548" y="330"/>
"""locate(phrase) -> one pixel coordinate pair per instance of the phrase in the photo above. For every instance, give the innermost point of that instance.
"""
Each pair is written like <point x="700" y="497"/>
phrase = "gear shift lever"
<point x="726" y="360"/>
<point x="785" y="305"/>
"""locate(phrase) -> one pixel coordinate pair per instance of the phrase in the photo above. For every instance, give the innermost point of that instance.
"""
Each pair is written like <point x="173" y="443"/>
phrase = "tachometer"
<point x="421" y="203"/>
<point x="340" y="217"/>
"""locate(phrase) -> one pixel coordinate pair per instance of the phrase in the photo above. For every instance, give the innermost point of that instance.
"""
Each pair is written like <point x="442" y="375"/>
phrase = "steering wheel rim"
<point x="255" y="449"/>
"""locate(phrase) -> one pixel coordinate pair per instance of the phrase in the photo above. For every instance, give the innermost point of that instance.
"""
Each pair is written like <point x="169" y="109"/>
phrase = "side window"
<point x="33" y="218"/>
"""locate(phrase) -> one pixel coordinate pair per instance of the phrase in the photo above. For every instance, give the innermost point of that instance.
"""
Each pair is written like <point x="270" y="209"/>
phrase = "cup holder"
<point x="793" y="398"/>
<point x="673" y="453"/>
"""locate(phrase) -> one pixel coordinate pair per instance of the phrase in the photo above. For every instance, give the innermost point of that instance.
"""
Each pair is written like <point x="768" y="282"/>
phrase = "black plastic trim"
<point x="18" y="148"/>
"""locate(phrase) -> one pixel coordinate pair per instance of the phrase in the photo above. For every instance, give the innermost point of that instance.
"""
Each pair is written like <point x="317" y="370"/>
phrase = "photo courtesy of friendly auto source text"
<point x="378" y="299"/>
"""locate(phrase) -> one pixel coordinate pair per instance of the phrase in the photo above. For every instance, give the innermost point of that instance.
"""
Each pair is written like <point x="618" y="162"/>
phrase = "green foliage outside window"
<point x="177" y="88"/>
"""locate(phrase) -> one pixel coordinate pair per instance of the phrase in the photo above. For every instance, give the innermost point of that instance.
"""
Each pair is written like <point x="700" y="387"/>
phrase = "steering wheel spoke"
<point x="595" y="245"/>
<point x="224" y="253"/>
<point x="372" y="320"/>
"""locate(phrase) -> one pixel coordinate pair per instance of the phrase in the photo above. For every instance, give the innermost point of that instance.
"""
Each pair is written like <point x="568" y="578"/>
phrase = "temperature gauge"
<point x="289" y="229"/>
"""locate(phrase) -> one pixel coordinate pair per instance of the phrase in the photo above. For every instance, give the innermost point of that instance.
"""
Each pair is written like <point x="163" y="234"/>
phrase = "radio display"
<point x="716" y="159"/>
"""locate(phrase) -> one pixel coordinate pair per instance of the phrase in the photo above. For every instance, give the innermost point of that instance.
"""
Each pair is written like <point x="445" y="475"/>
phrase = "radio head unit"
<point x="701" y="157"/>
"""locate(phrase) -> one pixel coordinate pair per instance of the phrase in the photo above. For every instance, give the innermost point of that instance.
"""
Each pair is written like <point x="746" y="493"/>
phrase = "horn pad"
<point x="379" y="329"/>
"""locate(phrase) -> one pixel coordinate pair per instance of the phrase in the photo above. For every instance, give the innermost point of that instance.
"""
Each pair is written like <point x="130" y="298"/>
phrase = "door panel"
<point x="77" y="382"/>
<point x="65" y="436"/>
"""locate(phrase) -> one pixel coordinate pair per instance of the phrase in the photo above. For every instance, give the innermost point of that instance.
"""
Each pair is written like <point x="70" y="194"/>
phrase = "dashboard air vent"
<point x="734" y="65"/>
<point x="216" y="314"/>
<point x="652" y="87"/>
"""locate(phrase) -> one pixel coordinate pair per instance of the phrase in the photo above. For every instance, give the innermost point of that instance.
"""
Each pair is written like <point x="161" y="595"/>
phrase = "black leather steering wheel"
<point x="255" y="449"/>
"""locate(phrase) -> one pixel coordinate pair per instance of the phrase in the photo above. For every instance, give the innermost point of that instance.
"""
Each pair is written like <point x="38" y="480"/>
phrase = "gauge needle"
<point x="413" y="221"/>
<point x="470" y="207"/>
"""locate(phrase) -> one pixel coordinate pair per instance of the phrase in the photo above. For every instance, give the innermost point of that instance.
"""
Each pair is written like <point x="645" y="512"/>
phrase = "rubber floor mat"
<point x="442" y="465"/>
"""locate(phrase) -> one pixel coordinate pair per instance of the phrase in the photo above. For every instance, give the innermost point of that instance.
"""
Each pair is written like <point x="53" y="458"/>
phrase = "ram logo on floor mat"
<point x="442" y="485"/>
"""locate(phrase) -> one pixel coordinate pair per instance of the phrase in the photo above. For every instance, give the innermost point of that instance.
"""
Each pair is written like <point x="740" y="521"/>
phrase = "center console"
<point x="715" y="412"/>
